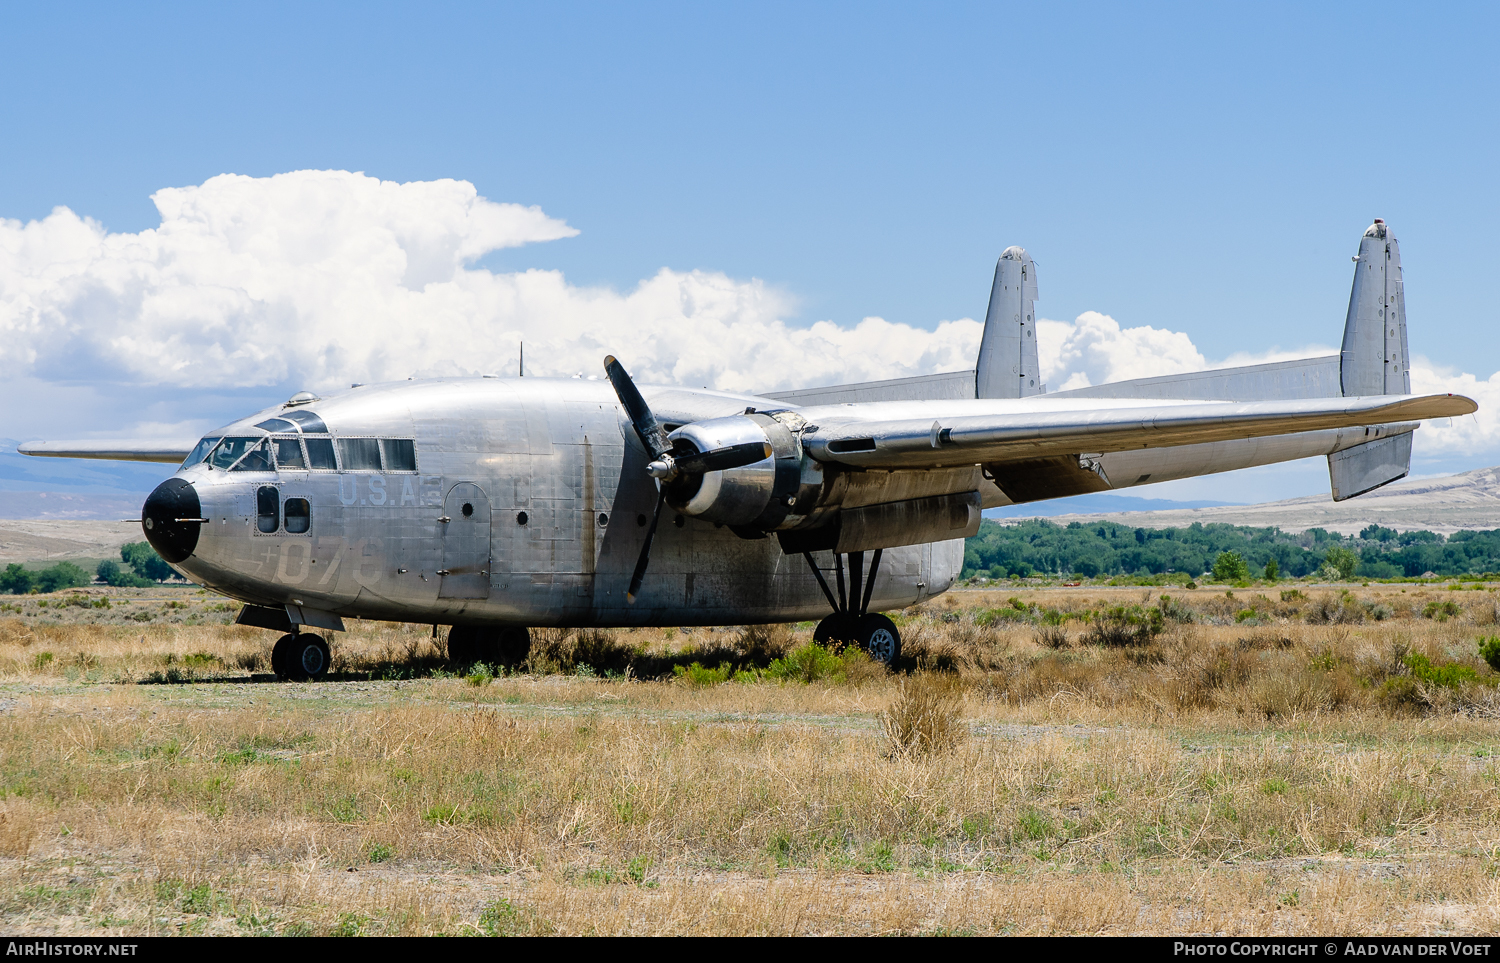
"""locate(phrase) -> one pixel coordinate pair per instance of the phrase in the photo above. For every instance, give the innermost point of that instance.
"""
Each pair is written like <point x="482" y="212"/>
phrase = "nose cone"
<point x="171" y="519"/>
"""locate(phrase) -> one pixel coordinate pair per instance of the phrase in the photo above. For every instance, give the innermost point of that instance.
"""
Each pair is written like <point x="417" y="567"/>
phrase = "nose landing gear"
<point x="300" y="657"/>
<point x="851" y="622"/>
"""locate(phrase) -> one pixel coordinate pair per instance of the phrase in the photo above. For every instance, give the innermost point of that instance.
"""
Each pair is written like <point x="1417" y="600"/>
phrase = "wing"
<point x="849" y="435"/>
<point x="111" y="450"/>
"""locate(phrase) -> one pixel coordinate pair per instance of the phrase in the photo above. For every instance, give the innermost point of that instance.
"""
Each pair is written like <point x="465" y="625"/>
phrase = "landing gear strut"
<point x="851" y="622"/>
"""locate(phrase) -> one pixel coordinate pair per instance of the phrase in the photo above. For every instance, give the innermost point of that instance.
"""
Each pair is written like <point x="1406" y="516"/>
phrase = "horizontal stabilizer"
<point x="952" y="386"/>
<point x="1302" y="378"/>
<point x="171" y="453"/>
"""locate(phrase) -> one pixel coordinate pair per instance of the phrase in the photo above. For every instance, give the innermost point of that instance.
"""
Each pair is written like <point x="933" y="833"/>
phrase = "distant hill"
<point x="1451" y="503"/>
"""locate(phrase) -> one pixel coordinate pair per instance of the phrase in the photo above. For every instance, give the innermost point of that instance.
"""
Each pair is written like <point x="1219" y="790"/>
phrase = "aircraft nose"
<point x="172" y="520"/>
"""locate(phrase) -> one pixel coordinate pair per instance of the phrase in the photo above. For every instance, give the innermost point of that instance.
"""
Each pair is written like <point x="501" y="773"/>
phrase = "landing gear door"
<point x="466" y="544"/>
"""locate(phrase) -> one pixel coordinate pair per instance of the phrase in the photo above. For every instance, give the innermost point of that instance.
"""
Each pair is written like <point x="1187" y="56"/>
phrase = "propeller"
<point x="665" y="467"/>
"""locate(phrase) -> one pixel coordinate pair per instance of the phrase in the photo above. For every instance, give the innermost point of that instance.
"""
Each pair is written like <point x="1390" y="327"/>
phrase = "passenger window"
<point x="320" y="454"/>
<point x="298" y="516"/>
<point x="359" y="454"/>
<point x="400" y="454"/>
<point x="256" y="459"/>
<point x="309" y="421"/>
<point x="267" y="509"/>
<point x="229" y="451"/>
<point x="288" y="453"/>
<point x="200" y="451"/>
<point x="276" y="424"/>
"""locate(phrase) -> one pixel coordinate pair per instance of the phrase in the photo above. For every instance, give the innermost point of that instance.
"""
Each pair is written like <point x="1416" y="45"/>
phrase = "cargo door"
<point x="466" y="544"/>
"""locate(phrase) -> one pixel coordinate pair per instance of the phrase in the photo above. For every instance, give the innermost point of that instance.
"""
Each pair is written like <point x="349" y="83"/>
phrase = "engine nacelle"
<point x="753" y="499"/>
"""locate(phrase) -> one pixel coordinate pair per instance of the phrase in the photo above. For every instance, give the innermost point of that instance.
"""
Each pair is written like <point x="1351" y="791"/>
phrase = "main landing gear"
<point x="300" y="657"/>
<point x="850" y="622"/>
<point x="492" y="645"/>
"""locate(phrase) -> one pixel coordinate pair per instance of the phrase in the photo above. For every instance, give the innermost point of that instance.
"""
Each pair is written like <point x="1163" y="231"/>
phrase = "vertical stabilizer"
<point x="1374" y="360"/>
<point x="1007" y="365"/>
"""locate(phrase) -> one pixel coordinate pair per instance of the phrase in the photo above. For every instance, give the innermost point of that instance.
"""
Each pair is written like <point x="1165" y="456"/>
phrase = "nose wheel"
<point x="851" y="623"/>
<point x="301" y="657"/>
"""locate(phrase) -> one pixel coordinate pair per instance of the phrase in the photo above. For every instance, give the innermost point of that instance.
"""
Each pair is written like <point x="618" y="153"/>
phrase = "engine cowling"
<point x="753" y="499"/>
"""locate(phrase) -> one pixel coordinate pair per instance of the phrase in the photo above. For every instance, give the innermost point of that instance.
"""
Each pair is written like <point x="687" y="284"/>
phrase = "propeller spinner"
<point x="666" y="467"/>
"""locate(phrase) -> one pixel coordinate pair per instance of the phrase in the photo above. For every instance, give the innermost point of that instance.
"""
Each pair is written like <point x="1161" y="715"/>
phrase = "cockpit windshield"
<point x="309" y="421"/>
<point x="200" y="451"/>
<point x="231" y="450"/>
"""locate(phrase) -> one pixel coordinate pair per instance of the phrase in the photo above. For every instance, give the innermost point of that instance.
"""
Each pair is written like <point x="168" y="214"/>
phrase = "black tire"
<point x="461" y="645"/>
<point x="281" y="654"/>
<point x="515" y="645"/>
<point x="492" y="645"/>
<point x="879" y="636"/>
<point x="308" y="658"/>
<point x="835" y="630"/>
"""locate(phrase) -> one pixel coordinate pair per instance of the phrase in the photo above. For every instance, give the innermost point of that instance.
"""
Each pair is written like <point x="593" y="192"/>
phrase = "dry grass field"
<point x="1084" y="760"/>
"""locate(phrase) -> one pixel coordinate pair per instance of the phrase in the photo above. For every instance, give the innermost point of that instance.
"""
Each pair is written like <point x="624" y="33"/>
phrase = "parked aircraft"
<point x="492" y="505"/>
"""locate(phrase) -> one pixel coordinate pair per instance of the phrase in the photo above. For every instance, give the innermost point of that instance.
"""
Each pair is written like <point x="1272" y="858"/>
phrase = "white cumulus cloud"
<point x="320" y="278"/>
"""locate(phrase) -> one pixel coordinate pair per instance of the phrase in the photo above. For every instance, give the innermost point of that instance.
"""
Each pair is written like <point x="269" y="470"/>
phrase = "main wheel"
<point x="878" y="636"/>
<point x="281" y="654"/>
<point x="492" y="645"/>
<point x="308" y="658"/>
<point x="515" y="645"/>
<point x="835" y="630"/>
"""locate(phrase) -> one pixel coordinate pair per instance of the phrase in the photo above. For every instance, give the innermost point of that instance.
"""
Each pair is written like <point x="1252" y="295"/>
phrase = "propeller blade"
<point x="720" y="459"/>
<point x="639" y="574"/>
<point x="645" y="423"/>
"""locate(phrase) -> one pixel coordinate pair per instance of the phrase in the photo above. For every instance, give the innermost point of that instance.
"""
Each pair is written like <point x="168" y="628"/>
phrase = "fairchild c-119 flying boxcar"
<point x="496" y="504"/>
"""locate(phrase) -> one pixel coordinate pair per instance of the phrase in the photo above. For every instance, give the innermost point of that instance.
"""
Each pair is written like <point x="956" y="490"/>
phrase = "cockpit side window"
<point x="200" y="451"/>
<point x="309" y="421"/>
<point x="229" y="451"/>
<point x="257" y="458"/>
<point x="359" y="454"/>
<point x="320" y="454"/>
<point x="288" y="453"/>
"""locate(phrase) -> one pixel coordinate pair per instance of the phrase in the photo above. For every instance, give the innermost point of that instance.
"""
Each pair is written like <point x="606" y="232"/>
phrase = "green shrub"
<point x="699" y="674"/>
<point x="1450" y="675"/>
<point x="809" y="664"/>
<point x="1121" y="625"/>
<point x="1440" y="611"/>
<point x="1273" y="571"/>
<point x="1489" y="651"/>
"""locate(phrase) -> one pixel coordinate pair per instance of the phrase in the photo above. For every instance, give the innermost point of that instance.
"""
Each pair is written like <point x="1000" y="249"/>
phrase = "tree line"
<point x="145" y="568"/>
<point x="1041" y="547"/>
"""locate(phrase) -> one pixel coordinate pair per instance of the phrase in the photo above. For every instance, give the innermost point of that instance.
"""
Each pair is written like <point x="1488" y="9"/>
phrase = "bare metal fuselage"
<point x="558" y="502"/>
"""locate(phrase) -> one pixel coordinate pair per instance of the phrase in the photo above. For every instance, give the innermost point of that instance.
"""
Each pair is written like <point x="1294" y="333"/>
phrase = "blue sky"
<point x="1204" y="169"/>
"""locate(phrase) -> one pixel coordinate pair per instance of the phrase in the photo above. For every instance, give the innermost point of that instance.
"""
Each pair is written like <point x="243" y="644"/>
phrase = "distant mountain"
<point x="1446" y="504"/>
<point x="1094" y="504"/>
